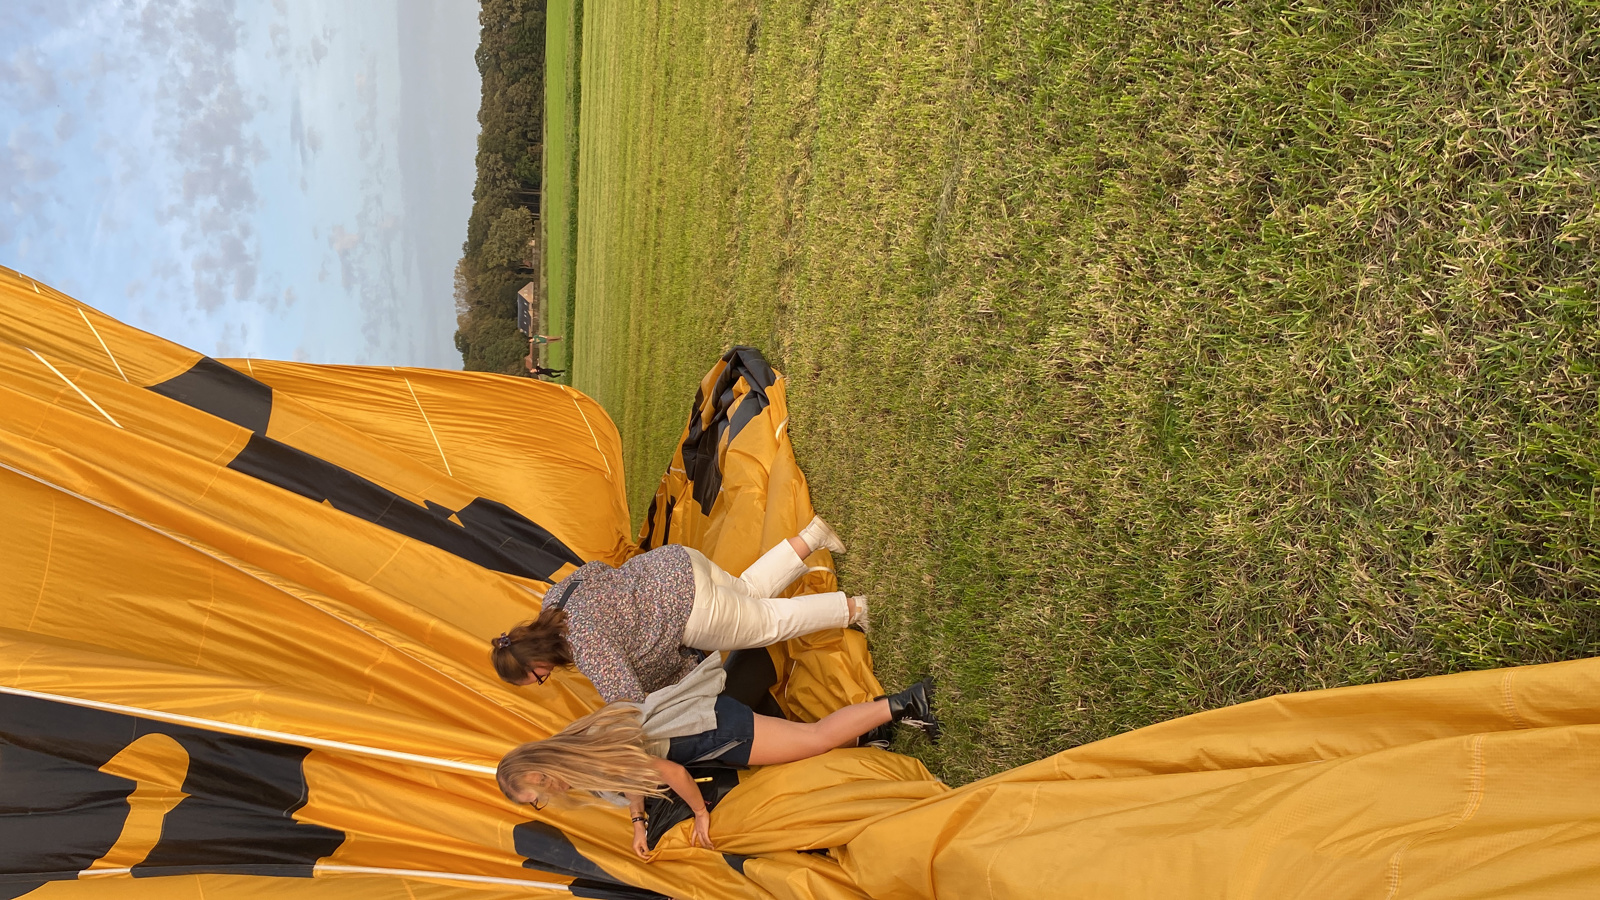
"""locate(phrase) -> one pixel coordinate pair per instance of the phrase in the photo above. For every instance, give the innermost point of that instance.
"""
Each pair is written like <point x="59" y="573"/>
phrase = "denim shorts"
<point x="727" y="744"/>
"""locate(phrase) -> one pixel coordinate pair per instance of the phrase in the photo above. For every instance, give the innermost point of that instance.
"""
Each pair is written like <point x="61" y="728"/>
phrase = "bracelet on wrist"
<point x="644" y="819"/>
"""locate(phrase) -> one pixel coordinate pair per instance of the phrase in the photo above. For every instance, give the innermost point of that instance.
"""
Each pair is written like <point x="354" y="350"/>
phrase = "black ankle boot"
<point x="914" y="707"/>
<point x="879" y="737"/>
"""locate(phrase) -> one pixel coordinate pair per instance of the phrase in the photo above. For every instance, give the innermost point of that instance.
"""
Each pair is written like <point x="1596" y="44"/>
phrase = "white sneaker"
<point x="862" y="619"/>
<point x="819" y="534"/>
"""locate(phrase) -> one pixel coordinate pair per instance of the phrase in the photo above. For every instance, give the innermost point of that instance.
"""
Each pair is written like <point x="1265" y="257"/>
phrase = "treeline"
<point x="505" y="201"/>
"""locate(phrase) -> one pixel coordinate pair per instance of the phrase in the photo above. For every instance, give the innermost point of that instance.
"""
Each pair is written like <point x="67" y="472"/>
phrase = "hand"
<point x="641" y="844"/>
<point x="701" y="836"/>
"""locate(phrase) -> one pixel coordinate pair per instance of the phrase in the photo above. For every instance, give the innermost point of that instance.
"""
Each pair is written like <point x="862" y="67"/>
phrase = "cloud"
<point x="306" y="139"/>
<point x="343" y="241"/>
<point x="21" y="16"/>
<point x="225" y="269"/>
<point x="366" y="121"/>
<point x="205" y="124"/>
<point x="27" y="167"/>
<point x="149" y="176"/>
<point x="28" y="78"/>
<point x="346" y="244"/>
<point x="27" y="160"/>
<point x="233" y="339"/>
<point x="297" y="128"/>
<point x="377" y="270"/>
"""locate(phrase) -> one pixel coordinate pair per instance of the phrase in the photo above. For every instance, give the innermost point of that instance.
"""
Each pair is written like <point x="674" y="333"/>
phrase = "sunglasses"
<point x="537" y="678"/>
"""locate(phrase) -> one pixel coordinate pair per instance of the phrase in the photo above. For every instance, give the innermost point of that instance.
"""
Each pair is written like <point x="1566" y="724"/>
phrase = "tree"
<point x="508" y="239"/>
<point x="463" y="291"/>
<point x="507" y="196"/>
<point x="492" y="344"/>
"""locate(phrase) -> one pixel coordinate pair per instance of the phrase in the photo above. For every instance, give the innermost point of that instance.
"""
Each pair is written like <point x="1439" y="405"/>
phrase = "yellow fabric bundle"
<point x="243" y="653"/>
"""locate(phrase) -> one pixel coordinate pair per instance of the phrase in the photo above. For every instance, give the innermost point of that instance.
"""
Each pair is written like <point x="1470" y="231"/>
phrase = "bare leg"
<point x="781" y="741"/>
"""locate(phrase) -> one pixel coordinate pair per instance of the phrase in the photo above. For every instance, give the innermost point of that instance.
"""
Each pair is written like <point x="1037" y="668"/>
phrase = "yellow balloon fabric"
<point x="733" y="490"/>
<point x="243" y="654"/>
<point x="245" y="631"/>
<point x="1470" y="785"/>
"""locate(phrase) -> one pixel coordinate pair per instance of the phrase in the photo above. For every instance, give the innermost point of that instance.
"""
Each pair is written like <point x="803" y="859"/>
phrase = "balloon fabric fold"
<point x="244" y="635"/>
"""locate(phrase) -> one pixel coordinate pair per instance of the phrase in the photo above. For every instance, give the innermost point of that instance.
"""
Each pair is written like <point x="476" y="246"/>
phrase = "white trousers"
<point x="740" y="613"/>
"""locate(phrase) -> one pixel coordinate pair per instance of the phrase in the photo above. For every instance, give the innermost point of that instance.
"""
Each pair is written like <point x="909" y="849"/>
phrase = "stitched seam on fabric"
<point x="205" y="625"/>
<point x="103" y="344"/>
<point x="226" y="727"/>
<point x="425" y="421"/>
<point x="1476" y="776"/>
<point x="224" y="456"/>
<point x="367" y="672"/>
<point x="232" y="448"/>
<point x="1508" y="698"/>
<point x="49" y="555"/>
<point x="592" y="435"/>
<point x="1033" y="810"/>
<point x="379" y="571"/>
<point x="22" y="665"/>
<point x="88" y="399"/>
<point x="334" y="869"/>
<point x="211" y="481"/>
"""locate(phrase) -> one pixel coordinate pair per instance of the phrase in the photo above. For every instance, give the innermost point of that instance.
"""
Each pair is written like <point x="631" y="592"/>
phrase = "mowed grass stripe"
<point x="1152" y="357"/>
<point x="559" y="217"/>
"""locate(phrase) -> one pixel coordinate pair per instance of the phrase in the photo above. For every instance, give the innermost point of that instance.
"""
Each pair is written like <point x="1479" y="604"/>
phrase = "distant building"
<point x="527" y="304"/>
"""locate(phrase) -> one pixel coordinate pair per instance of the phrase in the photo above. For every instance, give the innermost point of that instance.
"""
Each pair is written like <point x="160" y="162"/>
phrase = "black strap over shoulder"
<point x="567" y="587"/>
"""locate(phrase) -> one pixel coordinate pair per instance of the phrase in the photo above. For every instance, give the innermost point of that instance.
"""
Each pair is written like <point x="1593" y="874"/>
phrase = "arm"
<point x="641" y="825"/>
<point x="677" y="778"/>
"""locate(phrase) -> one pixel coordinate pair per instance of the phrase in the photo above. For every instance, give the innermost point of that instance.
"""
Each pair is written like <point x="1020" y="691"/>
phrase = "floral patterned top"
<point x="626" y="624"/>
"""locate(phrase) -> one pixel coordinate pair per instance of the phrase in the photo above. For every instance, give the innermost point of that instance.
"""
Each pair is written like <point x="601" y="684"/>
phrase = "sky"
<point x="282" y="179"/>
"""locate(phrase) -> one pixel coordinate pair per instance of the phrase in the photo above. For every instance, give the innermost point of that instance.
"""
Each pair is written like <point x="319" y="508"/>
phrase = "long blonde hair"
<point x="603" y="751"/>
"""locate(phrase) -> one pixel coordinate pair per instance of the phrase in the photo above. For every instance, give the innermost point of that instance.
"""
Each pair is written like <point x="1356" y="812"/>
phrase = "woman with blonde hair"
<point x="634" y="749"/>
<point x="642" y="626"/>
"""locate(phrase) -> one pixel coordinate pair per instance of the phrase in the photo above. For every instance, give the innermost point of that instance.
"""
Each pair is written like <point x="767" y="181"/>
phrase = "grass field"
<point x="558" y="222"/>
<point x="1152" y="356"/>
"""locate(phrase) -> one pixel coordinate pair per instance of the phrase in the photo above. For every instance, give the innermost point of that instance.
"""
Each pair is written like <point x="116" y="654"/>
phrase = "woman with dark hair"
<point x="637" y="628"/>
<point x="632" y="750"/>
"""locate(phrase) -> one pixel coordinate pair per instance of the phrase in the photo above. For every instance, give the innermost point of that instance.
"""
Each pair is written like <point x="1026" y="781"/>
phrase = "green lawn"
<point x="558" y="221"/>
<point x="1151" y="356"/>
